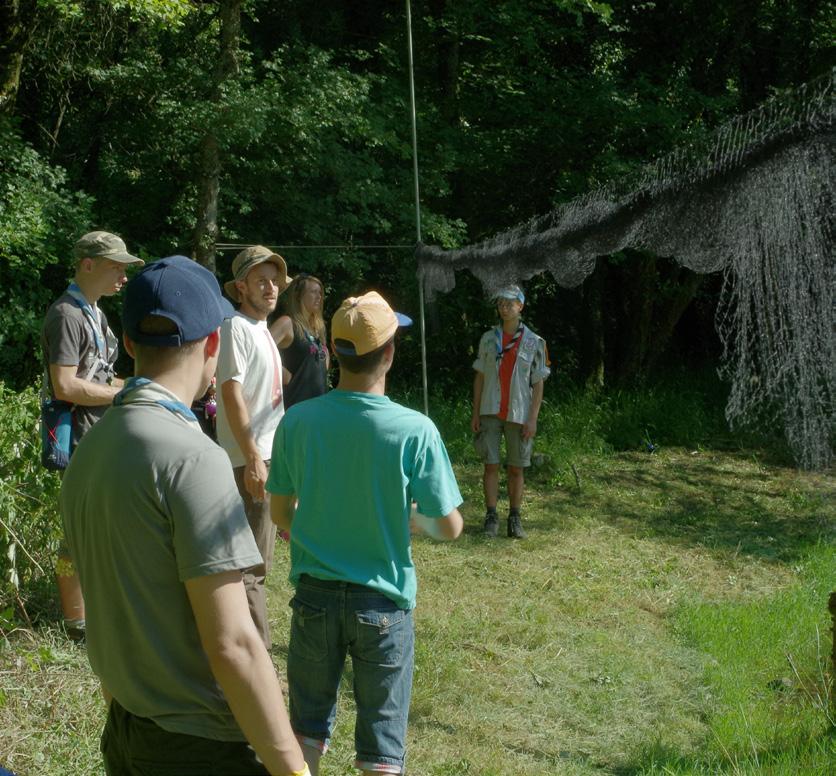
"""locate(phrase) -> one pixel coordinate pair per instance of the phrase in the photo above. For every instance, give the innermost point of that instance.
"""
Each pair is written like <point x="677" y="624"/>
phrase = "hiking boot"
<point x="76" y="630"/>
<point x="491" y="525"/>
<point x="515" y="529"/>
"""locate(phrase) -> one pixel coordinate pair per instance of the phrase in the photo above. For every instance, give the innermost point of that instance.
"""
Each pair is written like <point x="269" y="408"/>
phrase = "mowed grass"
<point x="667" y="614"/>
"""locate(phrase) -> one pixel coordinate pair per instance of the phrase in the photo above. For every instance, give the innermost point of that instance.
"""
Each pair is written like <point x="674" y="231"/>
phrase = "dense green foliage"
<point x="29" y="524"/>
<point x="40" y="215"/>
<point x="521" y="104"/>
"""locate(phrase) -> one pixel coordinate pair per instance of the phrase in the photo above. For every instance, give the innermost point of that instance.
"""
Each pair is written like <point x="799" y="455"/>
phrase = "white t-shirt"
<point x="250" y="357"/>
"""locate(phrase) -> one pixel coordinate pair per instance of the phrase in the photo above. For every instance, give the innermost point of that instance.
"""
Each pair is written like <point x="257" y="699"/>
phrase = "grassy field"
<point x="666" y="615"/>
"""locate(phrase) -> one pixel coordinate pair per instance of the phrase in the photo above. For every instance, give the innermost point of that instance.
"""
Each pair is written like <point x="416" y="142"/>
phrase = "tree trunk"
<point x="687" y="284"/>
<point x="653" y="293"/>
<point x="206" y="230"/>
<point x="594" y="348"/>
<point x="13" y="15"/>
<point x="639" y="276"/>
<point x="209" y="170"/>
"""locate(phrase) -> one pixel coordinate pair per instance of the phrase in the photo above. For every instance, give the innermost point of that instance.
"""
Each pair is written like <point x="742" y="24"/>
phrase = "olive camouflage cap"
<point x="104" y="245"/>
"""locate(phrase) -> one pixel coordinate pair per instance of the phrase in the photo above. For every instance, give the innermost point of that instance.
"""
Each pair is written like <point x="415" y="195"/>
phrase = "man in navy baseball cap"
<point x="157" y="530"/>
<point x="180" y="291"/>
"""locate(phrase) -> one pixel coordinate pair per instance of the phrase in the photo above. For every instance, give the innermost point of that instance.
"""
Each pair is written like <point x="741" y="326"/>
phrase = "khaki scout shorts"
<point x="487" y="442"/>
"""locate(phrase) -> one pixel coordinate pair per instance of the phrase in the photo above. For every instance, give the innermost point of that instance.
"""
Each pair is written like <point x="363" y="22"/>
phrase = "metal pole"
<point x="417" y="206"/>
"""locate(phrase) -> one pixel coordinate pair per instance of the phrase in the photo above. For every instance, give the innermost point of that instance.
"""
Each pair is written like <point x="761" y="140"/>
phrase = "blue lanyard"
<point x="95" y="322"/>
<point x="132" y="383"/>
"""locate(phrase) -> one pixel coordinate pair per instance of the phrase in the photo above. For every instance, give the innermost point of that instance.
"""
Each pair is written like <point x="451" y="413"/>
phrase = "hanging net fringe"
<point x="755" y="201"/>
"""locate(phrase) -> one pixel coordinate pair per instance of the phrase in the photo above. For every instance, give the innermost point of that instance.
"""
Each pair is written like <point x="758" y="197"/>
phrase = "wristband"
<point x="304" y="772"/>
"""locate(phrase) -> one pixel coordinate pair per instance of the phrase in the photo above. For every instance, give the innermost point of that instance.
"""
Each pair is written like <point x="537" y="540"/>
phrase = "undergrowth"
<point x="666" y="615"/>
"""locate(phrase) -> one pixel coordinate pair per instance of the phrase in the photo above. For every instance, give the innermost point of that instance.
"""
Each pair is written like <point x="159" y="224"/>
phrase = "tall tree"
<point x="13" y="16"/>
<point x="209" y="171"/>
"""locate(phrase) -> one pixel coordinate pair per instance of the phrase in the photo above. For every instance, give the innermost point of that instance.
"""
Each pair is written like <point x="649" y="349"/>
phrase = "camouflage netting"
<point x="756" y="202"/>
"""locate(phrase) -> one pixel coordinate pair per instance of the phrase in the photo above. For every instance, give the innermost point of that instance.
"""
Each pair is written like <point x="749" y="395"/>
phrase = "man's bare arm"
<point x="255" y="472"/>
<point x="68" y="386"/>
<point x="529" y="429"/>
<point x="282" y="510"/>
<point x="444" y="528"/>
<point x="243" y="669"/>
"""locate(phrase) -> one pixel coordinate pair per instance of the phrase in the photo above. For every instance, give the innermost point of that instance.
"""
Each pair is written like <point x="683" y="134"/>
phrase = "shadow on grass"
<point x="707" y="504"/>
<point x="815" y="756"/>
<point x="728" y="504"/>
<point x="422" y="720"/>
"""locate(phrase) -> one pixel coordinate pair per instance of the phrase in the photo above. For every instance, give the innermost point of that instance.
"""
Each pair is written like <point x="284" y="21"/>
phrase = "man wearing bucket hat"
<point x="78" y="354"/>
<point x="160" y="543"/>
<point x="250" y="405"/>
<point x="507" y="393"/>
<point x="356" y="460"/>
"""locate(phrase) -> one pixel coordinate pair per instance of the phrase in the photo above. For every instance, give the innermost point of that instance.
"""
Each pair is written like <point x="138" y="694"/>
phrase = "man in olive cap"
<point x="78" y="354"/>
<point x="250" y="405"/>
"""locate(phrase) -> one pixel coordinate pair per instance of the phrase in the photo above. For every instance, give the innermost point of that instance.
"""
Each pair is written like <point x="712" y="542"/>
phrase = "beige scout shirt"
<point x="532" y="367"/>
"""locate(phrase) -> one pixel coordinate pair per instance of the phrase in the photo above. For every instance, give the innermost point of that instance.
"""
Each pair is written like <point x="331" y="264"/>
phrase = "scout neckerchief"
<point x="152" y="394"/>
<point x="501" y="351"/>
<point x="93" y="319"/>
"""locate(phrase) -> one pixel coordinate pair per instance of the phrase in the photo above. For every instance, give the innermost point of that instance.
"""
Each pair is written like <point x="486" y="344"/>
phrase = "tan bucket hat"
<point x="252" y="257"/>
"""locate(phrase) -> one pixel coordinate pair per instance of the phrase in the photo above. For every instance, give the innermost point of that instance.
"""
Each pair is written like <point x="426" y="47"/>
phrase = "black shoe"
<point x="491" y="524"/>
<point x="76" y="630"/>
<point x="515" y="529"/>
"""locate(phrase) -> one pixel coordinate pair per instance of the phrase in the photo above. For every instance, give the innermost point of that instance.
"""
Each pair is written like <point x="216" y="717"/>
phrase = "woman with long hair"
<point x="301" y="338"/>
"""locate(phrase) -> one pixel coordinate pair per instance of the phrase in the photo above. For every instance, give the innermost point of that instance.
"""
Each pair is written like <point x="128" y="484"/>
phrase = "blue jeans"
<point x="332" y="619"/>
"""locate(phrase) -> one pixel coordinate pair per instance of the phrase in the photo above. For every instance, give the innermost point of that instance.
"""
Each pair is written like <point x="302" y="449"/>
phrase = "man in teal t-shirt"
<point x="356" y="461"/>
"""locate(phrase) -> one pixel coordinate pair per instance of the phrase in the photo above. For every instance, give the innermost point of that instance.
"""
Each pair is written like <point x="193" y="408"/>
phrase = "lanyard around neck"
<point x="93" y="319"/>
<point x="132" y="384"/>
<point x="316" y="345"/>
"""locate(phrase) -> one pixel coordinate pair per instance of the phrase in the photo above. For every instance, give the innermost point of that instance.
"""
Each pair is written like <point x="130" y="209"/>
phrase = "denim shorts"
<point x="487" y="442"/>
<point x="330" y="620"/>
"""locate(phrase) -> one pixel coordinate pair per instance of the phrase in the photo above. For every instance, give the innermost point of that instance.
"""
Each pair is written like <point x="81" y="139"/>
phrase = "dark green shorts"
<point x="487" y="442"/>
<point x="135" y="746"/>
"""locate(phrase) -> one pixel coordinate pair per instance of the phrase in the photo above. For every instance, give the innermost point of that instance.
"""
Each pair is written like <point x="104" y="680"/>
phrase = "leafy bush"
<point x="29" y="523"/>
<point x="41" y="218"/>
<point x="682" y="409"/>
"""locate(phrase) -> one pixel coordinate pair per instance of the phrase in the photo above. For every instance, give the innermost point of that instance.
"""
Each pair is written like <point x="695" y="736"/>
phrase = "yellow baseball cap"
<point x="364" y="323"/>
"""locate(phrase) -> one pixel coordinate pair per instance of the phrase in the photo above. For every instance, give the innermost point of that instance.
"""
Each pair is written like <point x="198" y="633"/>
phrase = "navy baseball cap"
<point x="181" y="290"/>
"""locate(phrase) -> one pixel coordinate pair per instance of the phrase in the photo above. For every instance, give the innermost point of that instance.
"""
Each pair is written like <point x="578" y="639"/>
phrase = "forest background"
<point x="182" y="125"/>
<point x="189" y="126"/>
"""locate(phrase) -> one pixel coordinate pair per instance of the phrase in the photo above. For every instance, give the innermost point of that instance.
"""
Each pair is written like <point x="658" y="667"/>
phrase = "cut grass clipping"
<point x="667" y="615"/>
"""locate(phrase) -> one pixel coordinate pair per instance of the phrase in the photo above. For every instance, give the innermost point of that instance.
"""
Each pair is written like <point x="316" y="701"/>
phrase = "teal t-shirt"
<point x="355" y="462"/>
